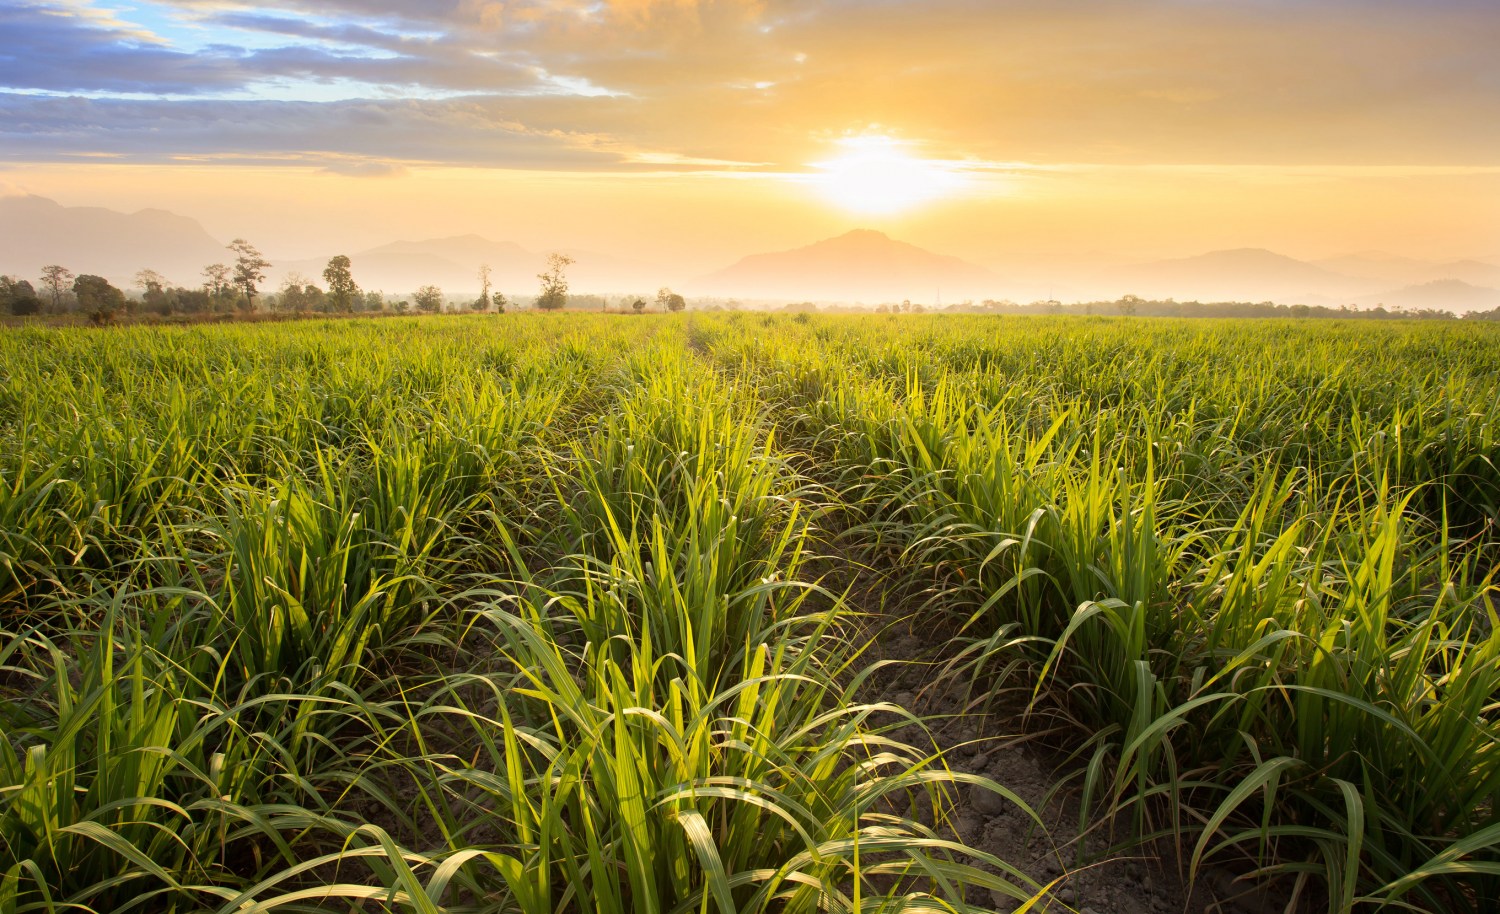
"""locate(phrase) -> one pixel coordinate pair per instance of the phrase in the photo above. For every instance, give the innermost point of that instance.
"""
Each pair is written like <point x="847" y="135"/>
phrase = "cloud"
<point x="626" y="83"/>
<point x="57" y="48"/>
<point x="365" y="168"/>
<point x="477" y="131"/>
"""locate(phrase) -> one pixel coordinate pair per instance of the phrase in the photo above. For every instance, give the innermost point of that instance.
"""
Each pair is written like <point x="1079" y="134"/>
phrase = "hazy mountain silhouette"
<point x="1389" y="268"/>
<point x="1448" y="294"/>
<point x="450" y="263"/>
<point x="36" y="231"/>
<point x="1243" y="274"/>
<point x="861" y="265"/>
<point x="453" y="264"/>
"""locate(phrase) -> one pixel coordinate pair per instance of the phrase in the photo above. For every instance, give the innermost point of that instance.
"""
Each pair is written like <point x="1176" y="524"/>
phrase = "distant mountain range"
<point x="1237" y="275"/>
<point x="1396" y="271"/>
<point x="35" y="231"/>
<point x="860" y="265"/>
<point x="449" y="263"/>
<point x="1254" y="274"/>
<point x="453" y="264"/>
<point x="1447" y="294"/>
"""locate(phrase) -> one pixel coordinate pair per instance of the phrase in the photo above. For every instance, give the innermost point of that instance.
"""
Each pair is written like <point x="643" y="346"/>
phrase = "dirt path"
<point x="1001" y="747"/>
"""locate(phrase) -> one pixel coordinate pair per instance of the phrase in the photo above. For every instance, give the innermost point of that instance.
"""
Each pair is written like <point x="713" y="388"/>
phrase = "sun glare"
<point x="876" y="176"/>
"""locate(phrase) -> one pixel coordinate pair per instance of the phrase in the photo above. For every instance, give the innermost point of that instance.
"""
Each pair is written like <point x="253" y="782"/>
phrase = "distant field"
<point x="554" y="613"/>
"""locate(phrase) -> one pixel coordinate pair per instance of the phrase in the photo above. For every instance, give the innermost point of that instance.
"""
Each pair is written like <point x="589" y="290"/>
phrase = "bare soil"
<point x="1021" y="754"/>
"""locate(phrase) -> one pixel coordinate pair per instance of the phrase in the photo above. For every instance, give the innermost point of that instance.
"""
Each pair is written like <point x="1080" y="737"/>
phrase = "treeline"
<point x="235" y="289"/>
<point x="1145" y="307"/>
<point x="224" y="288"/>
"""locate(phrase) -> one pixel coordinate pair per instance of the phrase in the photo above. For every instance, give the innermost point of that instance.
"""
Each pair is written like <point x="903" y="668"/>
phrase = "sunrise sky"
<point x="692" y="132"/>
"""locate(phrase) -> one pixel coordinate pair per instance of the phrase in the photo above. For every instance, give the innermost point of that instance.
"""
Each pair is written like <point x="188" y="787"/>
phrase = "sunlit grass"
<point x="529" y="614"/>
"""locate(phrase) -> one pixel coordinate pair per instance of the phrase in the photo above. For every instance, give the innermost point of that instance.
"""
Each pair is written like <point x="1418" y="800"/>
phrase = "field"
<point x="555" y="613"/>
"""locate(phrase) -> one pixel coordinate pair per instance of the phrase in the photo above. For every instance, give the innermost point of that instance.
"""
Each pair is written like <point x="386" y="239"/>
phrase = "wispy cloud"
<point x="680" y="83"/>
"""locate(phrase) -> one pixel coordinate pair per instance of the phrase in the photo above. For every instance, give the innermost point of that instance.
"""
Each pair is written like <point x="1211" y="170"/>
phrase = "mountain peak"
<point x="36" y="230"/>
<point x="862" y="234"/>
<point x="859" y="265"/>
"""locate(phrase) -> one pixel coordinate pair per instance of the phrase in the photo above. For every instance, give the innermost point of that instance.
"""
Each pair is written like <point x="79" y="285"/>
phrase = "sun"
<point x="875" y="176"/>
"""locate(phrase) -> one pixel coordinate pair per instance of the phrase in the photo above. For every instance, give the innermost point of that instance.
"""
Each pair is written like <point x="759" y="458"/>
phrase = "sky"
<point x="691" y="132"/>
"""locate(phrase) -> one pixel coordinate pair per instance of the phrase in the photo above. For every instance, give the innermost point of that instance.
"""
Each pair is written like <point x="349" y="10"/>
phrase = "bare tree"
<point x="216" y="279"/>
<point x="153" y="288"/>
<point x="483" y="302"/>
<point x="293" y="295"/>
<point x="56" y="279"/>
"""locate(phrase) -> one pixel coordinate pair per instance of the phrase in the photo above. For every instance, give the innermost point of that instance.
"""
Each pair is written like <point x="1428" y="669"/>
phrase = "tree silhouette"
<point x="482" y="303"/>
<point x="429" y="299"/>
<point x="668" y="300"/>
<point x="98" y="298"/>
<point x="341" y="288"/>
<point x="554" y="283"/>
<point x="18" y="297"/>
<point x="56" y="279"/>
<point x="249" y="269"/>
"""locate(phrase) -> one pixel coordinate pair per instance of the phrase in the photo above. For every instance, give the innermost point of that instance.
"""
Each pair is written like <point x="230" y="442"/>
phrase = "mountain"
<point x="36" y="231"/>
<point x="1391" y="269"/>
<point x="1243" y="274"/>
<point x="862" y="265"/>
<point x="1447" y="294"/>
<point x="449" y="263"/>
<point x="452" y="264"/>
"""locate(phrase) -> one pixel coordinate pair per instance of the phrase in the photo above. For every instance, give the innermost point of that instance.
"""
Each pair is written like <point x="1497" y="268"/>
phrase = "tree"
<point x="374" y="301"/>
<point x="249" y="269"/>
<point x="297" y="294"/>
<point x="290" y="297"/>
<point x="554" y="283"/>
<point x="499" y="301"/>
<point x="18" y="297"/>
<point x="667" y="300"/>
<point x="1128" y="305"/>
<point x="193" y="301"/>
<point x="342" y="291"/>
<point x="154" y="294"/>
<point x="216" y="279"/>
<point x="639" y="305"/>
<point x="482" y="303"/>
<point x="98" y="298"/>
<point x="429" y="299"/>
<point x="56" y="279"/>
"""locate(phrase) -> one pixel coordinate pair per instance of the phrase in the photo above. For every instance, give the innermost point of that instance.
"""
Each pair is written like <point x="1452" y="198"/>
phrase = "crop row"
<point x="536" y="615"/>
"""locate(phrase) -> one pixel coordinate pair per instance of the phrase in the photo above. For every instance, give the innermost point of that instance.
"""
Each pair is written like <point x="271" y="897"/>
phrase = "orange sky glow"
<point x="686" y="133"/>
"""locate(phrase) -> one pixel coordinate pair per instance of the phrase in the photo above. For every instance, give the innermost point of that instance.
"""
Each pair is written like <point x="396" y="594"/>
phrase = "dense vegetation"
<point x="535" y="614"/>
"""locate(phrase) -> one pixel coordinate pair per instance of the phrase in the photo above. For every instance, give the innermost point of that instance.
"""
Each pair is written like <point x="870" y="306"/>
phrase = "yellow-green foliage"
<point x="523" y="614"/>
